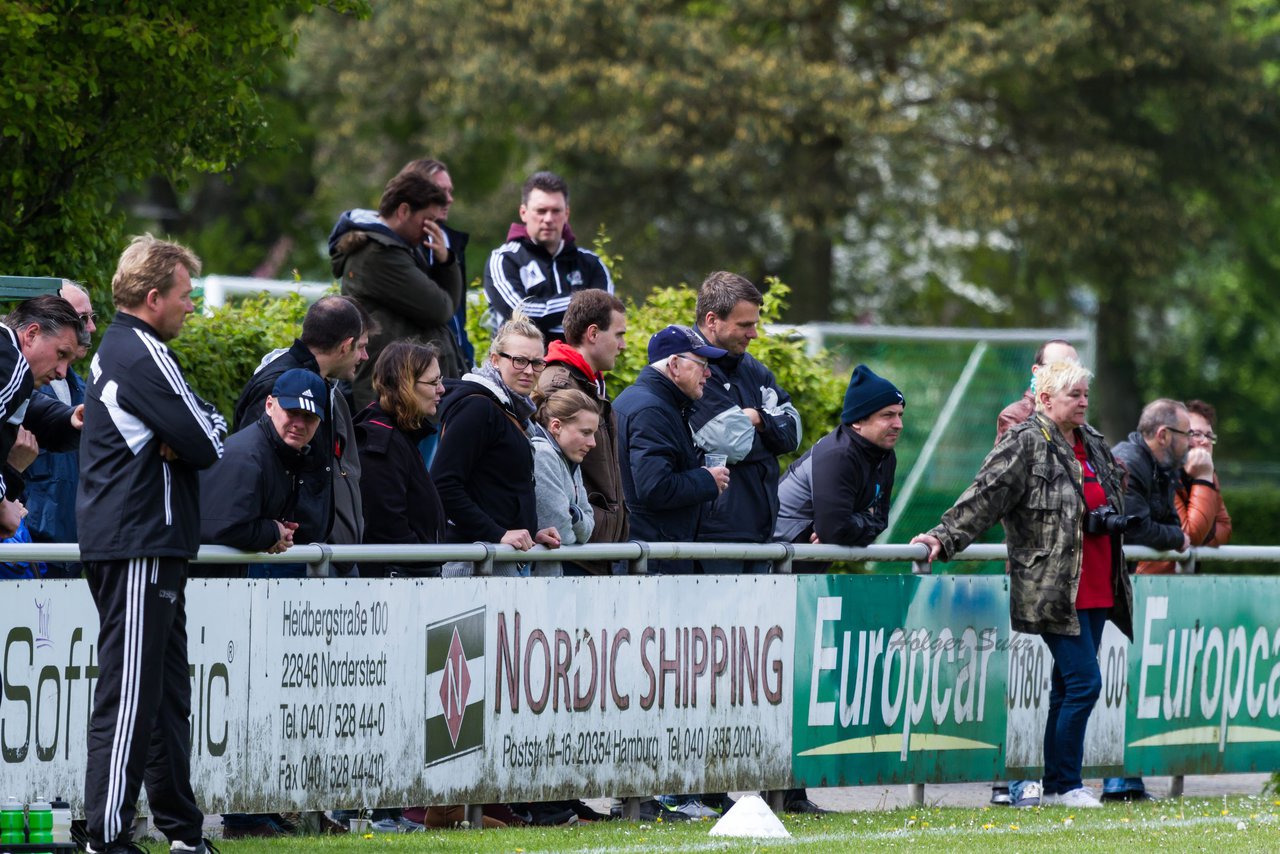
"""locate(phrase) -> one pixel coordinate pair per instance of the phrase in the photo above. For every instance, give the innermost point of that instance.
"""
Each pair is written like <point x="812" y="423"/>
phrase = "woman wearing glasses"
<point x="483" y="466"/>
<point x="1197" y="495"/>
<point x="401" y="505"/>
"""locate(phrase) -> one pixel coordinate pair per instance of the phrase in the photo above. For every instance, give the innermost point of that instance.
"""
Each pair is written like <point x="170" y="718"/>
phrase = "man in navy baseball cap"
<point x="679" y="340"/>
<point x="299" y="390"/>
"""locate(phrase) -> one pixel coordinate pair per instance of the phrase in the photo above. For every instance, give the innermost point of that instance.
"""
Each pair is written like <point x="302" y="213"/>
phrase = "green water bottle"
<point x="13" y="826"/>
<point x="40" y="825"/>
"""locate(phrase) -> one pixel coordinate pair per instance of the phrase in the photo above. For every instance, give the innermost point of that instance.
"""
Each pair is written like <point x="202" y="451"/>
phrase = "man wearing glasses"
<point x="1152" y="455"/>
<point x="666" y="486"/>
<point x="1197" y="495"/>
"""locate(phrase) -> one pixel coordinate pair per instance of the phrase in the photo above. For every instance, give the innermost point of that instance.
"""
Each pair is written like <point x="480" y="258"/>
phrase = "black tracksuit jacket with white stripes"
<point x="131" y="501"/>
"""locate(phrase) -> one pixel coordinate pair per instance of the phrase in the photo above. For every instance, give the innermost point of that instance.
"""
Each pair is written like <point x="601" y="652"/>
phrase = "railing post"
<point x="631" y="809"/>
<point x="782" y="566"/>
<point x="475" y="816"/>
<point x="1187" y="567"/>
<point x="640" y="566"/>
<point x="922" y="567"/>
<point x="485" y="566"/>
<point x="1176" y="784"/>
<point x="320" y="569"/>
<point x="915" y="791"/>
<point x="776" y="799"/>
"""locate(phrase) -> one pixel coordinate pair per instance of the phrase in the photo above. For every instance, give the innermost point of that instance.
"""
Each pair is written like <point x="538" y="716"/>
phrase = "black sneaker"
<point x="1000" y="796"/>
<point x="651" y="810"/>
<point x="584" y="812"/>
<point x="718" y="801"/>
<point x="803" y="806"/>
<point x="547" y="814"/>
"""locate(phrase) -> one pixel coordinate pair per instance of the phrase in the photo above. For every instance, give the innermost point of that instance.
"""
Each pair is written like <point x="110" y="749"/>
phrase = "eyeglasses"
<point x="1179" y="432"/>
<point x="1210" y="437"/>
<point x="522" y="362"/>
<point x="702" y="363"/>
<point x="88" y="316"/>
<point x="437" y="382"/>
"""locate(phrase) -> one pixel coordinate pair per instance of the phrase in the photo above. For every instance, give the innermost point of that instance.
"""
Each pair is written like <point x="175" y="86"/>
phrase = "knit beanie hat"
<point x="867" y="395"/>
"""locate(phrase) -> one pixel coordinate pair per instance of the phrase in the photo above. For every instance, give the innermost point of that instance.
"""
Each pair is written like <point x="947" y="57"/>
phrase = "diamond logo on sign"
<point x="454" y="687"/>
<point x="455" y="700"/>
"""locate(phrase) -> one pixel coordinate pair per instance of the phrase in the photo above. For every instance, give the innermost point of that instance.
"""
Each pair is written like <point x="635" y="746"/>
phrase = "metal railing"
<point x="637" y="554"/>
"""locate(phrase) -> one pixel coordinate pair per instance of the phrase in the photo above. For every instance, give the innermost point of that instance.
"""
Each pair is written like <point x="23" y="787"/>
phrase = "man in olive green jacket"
<point x="378" y="257"/>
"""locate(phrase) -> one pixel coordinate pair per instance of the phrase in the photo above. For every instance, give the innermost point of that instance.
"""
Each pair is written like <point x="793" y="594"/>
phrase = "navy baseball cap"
<point x="675" y="340"/>
<point x="301" y="389"/>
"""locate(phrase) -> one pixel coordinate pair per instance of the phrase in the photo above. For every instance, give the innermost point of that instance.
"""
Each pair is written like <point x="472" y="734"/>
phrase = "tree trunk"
<point x="809" y="268"/>
<point x="808" y="272"/>
<point x="1115" y="391"/>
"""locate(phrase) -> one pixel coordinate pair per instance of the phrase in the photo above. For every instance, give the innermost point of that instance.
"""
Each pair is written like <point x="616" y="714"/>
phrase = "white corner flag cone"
<point x="750" y="817"/>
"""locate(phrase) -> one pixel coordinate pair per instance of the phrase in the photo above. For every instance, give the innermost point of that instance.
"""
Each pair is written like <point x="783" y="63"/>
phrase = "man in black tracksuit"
<point x="146" y="437"/>
<point x="541" y="266"/>
<point x="38" y="340"/>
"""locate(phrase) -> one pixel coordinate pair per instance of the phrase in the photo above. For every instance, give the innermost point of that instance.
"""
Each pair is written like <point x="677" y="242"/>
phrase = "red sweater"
<point x="1095" y="571"/>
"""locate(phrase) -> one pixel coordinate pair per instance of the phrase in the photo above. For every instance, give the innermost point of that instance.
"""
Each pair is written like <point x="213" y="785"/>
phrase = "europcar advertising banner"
<point x="900" y="679"/>
<point x="1204" y="676"/>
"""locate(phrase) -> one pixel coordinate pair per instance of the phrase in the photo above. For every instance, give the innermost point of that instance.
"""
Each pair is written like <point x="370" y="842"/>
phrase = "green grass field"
<point x="1221" y="825"/>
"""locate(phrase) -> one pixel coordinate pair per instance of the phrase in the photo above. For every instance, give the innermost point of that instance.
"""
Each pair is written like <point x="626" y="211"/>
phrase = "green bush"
<point x="219" y="353"/>
<point x="1254" y="512"/>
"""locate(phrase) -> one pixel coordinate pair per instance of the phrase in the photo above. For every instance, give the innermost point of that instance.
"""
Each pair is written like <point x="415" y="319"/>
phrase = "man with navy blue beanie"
<point x="838" y="492"/>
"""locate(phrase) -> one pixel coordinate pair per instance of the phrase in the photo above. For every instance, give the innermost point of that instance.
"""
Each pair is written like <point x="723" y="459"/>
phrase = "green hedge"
<point x="219" y="353"/>
<point x="1254" y="516"/>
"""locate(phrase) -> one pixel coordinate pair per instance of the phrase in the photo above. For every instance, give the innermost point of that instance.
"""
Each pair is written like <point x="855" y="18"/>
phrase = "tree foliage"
<point x="972" y="162"/>
<point x="744" y="127"/>
<point x="99" y="97"/>
<point x="1111" y="143"/>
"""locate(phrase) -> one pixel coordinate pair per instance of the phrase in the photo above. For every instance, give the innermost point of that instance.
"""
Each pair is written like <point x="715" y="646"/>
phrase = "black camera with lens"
<point x="1105" y="520"/>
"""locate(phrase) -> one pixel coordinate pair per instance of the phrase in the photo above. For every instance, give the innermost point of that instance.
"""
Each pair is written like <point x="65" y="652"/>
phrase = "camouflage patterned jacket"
<point x="1026" y="484"/>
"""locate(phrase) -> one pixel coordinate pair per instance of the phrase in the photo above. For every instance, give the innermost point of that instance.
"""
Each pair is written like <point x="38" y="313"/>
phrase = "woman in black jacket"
<point x="401" y="504"/>
<point x="484" y="463"/>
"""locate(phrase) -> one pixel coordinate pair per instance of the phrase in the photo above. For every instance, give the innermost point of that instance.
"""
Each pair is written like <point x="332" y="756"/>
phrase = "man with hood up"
<point x="540" y="266"/>
<point x="379" y="258"/>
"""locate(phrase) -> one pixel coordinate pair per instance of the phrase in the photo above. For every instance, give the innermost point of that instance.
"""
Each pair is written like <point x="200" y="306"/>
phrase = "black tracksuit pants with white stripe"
<point x="140" y="729"/>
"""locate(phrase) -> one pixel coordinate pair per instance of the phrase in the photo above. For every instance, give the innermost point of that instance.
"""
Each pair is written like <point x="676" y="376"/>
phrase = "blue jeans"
<point x="1076" y="684"/>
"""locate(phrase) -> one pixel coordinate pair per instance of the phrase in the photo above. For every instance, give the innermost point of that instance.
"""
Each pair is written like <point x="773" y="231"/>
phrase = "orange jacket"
<point x="1204" y="518"/>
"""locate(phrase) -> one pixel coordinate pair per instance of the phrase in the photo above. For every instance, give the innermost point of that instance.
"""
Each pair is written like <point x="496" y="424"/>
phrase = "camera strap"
<point x="1067" y="462"/>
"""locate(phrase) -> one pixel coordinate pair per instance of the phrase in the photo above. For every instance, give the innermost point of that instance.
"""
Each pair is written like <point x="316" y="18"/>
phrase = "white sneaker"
<point x="1081" y="798"/>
